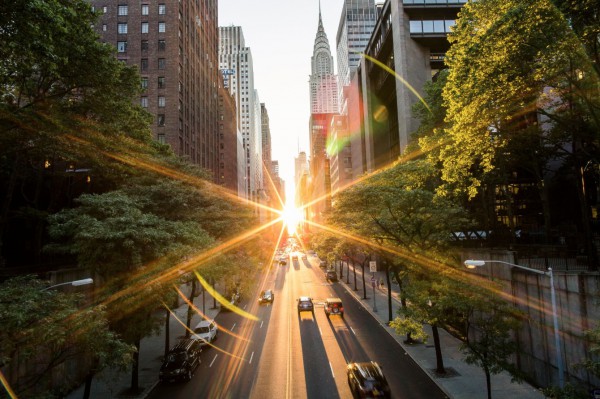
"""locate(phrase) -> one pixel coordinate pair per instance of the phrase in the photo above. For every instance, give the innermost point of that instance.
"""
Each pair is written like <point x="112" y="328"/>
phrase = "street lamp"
<point x="472" y="264"/>
<point x="75" y="283"/>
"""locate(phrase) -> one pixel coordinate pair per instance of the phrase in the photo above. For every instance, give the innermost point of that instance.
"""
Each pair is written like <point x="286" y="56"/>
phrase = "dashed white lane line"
<point x="352" y="329"/>
<point x="331" y="367"/>
<point x="261" y="323"/>
<point x="251" y="356"/>
<point x="232" y="327"/>
<point x="211" y="363"/>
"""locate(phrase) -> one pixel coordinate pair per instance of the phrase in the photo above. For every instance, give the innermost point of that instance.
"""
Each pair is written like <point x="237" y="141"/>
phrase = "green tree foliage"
<point x="43" y="329"/>
<point x="509" y="62"/>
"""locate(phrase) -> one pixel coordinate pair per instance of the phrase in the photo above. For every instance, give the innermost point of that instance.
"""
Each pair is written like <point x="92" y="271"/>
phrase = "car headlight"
<point x="178" y="371"/>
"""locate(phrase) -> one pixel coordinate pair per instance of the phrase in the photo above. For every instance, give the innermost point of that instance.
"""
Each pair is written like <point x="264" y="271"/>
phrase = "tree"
<point x="519" y="82"/>
<point x="47" y="327"/>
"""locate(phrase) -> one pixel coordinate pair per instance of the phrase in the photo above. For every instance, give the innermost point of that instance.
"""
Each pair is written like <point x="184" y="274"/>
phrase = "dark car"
<point x="334" y="306"/>
<point x="266" y="296"/>
<point x="322" y="264"/>
<point x="331" y="275"/>
<point x="366" y="380"/>
<point x="305" y="304"/>
<point x="181" y="361"/>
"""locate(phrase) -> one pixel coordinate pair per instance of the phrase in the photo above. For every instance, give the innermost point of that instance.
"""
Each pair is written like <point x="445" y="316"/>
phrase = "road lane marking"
<point x="261" y="323"/>
<point x="245" y="307"/>
<point x="232" y="327"/>
<point x="251" y="356"/>
<point x="320" y="332"/>
<point x="211" y="363"/>
<point x="331" y="367"/>
<point x="352" y="329"/>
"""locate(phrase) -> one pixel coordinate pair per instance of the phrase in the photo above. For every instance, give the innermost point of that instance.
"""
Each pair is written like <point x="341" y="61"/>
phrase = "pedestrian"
<point x="380" y="283"/>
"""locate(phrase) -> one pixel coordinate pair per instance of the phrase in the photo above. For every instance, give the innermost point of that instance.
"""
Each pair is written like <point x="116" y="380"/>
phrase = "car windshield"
<point x="202" y="330"/>
<point x="177" y="357"/>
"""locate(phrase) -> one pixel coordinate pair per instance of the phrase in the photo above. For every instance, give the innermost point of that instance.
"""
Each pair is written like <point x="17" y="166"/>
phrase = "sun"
<point x="291" y="216"/>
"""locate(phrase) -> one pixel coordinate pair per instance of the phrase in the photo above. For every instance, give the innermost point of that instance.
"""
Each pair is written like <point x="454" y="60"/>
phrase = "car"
<point x="305" y="304"/>
<point x="266" y="296"/>
<point x="294" y="257"/>
<point x="206" y="331"/>
<point x="366" y="380"/>
<point x="283" y="261"/>
<point x="181" y="361"/>
<point x="322" y="264"/>
<point x="331" y="275"/>
<point x="334" y="306"/>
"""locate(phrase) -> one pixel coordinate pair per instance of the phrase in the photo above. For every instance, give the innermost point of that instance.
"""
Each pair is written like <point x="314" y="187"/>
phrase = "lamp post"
<point x="472" y="264"/>
<point x="75" y="283"/>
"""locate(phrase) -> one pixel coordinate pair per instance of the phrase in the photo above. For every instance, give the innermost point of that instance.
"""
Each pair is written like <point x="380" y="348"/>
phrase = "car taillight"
<point x="341" y="309"/>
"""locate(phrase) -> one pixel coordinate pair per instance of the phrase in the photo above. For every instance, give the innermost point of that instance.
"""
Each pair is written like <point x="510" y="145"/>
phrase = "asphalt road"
<point x="290" y="355"/>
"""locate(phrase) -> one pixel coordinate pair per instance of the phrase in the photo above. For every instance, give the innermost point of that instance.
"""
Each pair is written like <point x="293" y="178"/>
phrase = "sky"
<point x="281" y="35"/>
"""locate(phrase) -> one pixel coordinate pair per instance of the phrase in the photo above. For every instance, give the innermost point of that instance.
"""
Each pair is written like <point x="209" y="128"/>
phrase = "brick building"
<point x="175" y="46"/>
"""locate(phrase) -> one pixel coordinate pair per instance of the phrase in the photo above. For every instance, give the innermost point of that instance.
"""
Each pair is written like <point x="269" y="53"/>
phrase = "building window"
<point x="104" y="9"/>
<point x="162" y="45"/>
<point x="144" y="64"/>
<point x="144" y="83"/>
<point x="161" y="119"/>
<point x="162" y="9"/>
<point x="161" y="138"/>
<point x="161" y="101"/>
<point x="122" y="10"/>
<point x="162" y="27"/>
<point x="145" y="9"/>
<point x="144" y="102"/>
<point x="144" y="27"/>
<point x="144" y="45"/>
<point x="162" y="63"/>
<point x="161" y="82"/>
<point x="121" y="47"/>
<point x="104" y="27"/>
<point x="122" y="29"/>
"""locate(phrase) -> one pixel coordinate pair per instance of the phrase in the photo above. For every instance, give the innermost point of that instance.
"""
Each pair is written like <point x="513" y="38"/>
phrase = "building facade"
<point x="235" y="62"/>
<point x="357" y="22"/>
<point x="340" y="155"/>
<point x="228" y="143"/>
<point x="175" y="47"/>
<point x="410" y="37"/>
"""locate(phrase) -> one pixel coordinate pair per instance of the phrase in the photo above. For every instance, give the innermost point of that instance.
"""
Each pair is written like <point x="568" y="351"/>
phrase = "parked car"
<point x="366" y="380"/>
<point x="283" y="261"/>
<point x="181" y="361"/>
<point x="334" y="306"/>
<point x="266" y="296"/>
<point x="206" y="331"/>
<point x="331" y="275"/>
<point x="305" y="304"/>
<point x="322" y="264"/>
<point x="294" y="256"/>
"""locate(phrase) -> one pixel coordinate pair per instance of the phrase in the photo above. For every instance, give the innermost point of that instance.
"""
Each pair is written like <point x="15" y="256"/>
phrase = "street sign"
<point x="373" y="266"/>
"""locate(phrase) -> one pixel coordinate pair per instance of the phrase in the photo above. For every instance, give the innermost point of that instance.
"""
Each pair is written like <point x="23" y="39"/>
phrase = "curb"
<point x="393" y="334"/>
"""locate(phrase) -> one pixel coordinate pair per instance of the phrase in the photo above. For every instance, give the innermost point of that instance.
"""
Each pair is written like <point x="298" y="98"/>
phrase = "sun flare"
<point x="291" y="216"/>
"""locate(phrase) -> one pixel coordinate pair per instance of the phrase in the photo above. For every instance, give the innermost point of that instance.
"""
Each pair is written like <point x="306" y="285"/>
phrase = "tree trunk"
<point x="167" y="331"/>
<point x="389" y="286"/>
<point x="214" y="297"/>
<point x="363" y="279"/>
<point x="88" y="384"/>
<point x="438" y="351"/>
<point x="585" y="220"/>
<point x="488" y="381"/>
<point x="354" y="269"/>
<point x="4" y="210"/>
<point x="190" y="309"/>
<point x="135" y="366"/>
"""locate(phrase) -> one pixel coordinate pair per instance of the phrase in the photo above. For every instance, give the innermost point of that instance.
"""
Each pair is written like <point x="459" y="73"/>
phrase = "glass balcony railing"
<point x="431" y="27"/>
<point x="434" y="2"/>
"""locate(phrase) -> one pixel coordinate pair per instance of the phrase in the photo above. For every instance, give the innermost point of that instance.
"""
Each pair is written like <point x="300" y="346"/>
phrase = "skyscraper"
<point x="357" y="22"/>
<point x="323" y="106"/>
<point x="235" y="62"/>
<point x="180" y="84"/>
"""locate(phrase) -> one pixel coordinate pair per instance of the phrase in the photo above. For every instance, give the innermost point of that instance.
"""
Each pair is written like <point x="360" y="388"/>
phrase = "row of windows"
<point x="122" y="28"/>
<point x="431" y="26"/>
<point x="123" y="10"/>
<point x="435" y="1"/>
<point x="161" y="82"/>
<point x="161" y="102"/>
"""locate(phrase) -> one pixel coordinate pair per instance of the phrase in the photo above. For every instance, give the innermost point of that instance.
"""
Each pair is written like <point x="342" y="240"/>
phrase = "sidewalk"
<point x="114" y="384"/>
<point x="463" y="381"/>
